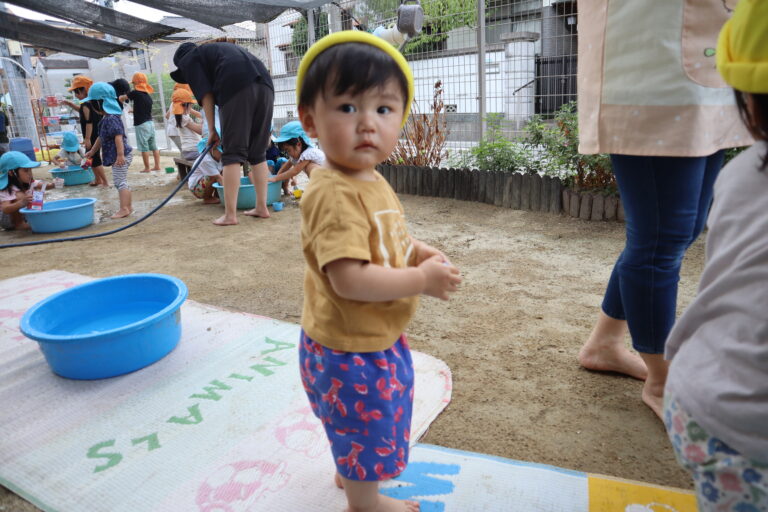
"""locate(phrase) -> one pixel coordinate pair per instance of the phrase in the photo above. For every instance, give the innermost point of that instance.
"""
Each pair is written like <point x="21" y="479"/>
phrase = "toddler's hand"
<point x="441" y="277"/>
<point x="120" y="161"/>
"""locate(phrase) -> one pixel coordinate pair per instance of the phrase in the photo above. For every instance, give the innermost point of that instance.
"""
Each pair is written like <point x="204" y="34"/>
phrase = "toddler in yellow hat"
<point x="364" y="271"/>
<point x="716" y="396"/>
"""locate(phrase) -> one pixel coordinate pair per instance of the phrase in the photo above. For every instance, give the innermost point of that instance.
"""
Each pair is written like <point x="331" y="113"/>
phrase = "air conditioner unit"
<point x="14" y="48"/>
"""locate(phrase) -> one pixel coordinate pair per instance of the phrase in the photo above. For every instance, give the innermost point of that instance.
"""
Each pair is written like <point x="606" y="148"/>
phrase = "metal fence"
<point x="507" y="60"/>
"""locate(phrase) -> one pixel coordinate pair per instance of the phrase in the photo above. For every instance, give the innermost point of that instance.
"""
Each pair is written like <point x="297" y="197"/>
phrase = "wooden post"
<point x="598" y="207"/>
<point x="483" y="177"/>
<point x="574" y="202"/>
<point x="546" y="182"/>
<point x="490" y="187"/>
<point x="585" y="211"/>
<point x="517" y="191"/>
<point x="556" y="196"/>
<point x="525" y="192"/>
<point x="611" y="205"/>
<point x="535" y="192"/>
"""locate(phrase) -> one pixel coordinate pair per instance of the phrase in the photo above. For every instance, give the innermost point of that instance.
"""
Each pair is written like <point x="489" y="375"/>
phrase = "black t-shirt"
<point x="142" y="107"/>
<point x="223" y="69"/>
<point x="93" y="118"/>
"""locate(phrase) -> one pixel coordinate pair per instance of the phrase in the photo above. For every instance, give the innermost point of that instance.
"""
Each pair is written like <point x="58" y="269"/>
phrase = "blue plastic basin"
<point x="73" y="175"/>
<point x="246" y="196"/>
<point x="108" y="327"/>
<point x="61" y="215"/>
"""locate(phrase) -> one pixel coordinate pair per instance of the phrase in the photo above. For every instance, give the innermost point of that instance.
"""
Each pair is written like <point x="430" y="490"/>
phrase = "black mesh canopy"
<point x="99" y="18"/>
<point x="40" y="34"/>
<point x="226" y="12"/>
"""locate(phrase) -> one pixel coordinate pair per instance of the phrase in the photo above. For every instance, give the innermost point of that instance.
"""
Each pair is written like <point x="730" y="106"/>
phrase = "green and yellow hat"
<point x="356" y="36"/>
<point x="742" y="48"/>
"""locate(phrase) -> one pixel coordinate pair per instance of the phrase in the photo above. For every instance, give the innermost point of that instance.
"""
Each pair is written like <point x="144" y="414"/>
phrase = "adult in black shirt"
<point x="143" y="125"/>
<point x="4" y="143"/>
<point x="89" y="125"/>
<point x="228" y="76"/>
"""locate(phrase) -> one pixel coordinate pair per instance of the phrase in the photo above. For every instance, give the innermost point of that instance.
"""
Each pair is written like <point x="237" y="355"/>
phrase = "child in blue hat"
<point x="16" y="185"/>
<point x="294" y="141"/>
<point x="115" y="150"/>
<point x="71" y="153"/>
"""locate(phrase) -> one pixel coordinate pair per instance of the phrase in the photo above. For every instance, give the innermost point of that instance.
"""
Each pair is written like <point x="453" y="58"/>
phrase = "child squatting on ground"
<point x="112" y="142"/>
<point x="16" y="186"/>
<point x="208" y="172"/>
<point x="364" y="271"/>
<point x="303" y="155"/>
<point x="716" y="396"/>
<point x="71" y="153"/>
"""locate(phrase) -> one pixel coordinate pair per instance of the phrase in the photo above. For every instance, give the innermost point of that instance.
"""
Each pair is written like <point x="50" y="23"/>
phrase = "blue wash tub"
<point x="246" y="196"/>
<point x="73" y="175"/>
<point x="108" y="327"/>
<point x="62" y="215"/>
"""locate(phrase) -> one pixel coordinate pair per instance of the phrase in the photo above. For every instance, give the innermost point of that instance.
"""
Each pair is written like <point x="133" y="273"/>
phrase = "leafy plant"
<point x="559" y="143"/>
<point x="497" y="152"/>
<point x="423" y="140"/>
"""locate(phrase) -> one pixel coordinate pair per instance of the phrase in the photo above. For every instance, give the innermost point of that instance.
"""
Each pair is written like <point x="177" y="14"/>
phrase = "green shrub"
<point x="496" y="152"/>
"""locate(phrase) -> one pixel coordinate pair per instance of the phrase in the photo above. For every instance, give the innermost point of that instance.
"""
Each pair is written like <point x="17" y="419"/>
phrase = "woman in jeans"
<point x="654" y="101"/>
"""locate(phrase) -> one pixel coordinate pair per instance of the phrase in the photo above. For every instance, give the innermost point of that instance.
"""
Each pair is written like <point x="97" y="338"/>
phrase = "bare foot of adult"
<point x="256" y="212"/>
<point x="93" y="184"/>
<point x="611" y="355"/>
<point x="121" y="213"/>
<point x="653" y="396"/>
<point x="387" y="504"/>
<point x="212" y="200"/>
<point x="225" y="221"/>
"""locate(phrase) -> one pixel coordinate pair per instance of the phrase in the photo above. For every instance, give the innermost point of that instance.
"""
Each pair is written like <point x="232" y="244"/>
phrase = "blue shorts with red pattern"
<point x="364" y="400"/>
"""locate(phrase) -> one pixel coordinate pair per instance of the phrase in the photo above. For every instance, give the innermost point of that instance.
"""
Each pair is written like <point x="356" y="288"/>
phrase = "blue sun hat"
<point x="70" y="142"/>
<point x="13" y="160"/>
<point x="292" y="130"/>
<point x="102" y="91"/>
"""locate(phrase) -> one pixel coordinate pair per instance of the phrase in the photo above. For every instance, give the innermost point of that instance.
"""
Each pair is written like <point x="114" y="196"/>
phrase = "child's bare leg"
<point x="231" y="182"/>
<point x="125" y="204"/>
<point x="100" y="176"/>
<point x="208" y="194"/>
<point x="258" y="177"/>
<point x="365" y="497"/>
<point x="145" y="159"/>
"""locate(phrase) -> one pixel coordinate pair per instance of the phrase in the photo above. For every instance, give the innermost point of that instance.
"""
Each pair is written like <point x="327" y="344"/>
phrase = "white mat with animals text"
<point x="220" y="424"/>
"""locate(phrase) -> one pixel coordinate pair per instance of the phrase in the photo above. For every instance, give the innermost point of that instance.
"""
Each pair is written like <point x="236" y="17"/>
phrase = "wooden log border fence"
<point x="502" y="188"/>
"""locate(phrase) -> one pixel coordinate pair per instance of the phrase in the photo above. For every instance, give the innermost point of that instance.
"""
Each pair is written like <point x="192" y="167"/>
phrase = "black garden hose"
<point x="117" y="230"/>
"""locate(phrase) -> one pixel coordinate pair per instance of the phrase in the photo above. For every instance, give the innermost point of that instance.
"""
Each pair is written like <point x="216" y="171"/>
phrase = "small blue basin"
<point x="62" y="215"/>
<point x="246" y="196"/>
<point x="108" y="327"/>
<point x="73" y="175"/>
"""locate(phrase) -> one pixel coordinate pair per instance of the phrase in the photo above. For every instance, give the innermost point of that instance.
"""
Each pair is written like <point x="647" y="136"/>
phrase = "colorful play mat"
<point x="222" y="425"/>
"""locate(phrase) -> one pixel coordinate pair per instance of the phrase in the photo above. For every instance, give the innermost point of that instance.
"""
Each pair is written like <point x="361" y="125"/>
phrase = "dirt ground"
<point x="532" y="286"/>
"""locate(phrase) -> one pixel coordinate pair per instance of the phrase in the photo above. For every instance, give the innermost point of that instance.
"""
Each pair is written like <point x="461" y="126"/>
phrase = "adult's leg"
<point x="260" y="102"/>
<point x="145" y="159"/>
<point x="231" y="183"/>
<point x="663" y="199"/>
<point x="259" y="174"/>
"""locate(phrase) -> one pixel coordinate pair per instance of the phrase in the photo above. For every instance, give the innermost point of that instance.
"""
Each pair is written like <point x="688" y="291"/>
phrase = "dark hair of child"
<point x="755" y="118"/>
<point x="296" y="141"/>
<point x="350" y="68"/>
<point x="178" y="120"/>
<point x="13" y="180"/>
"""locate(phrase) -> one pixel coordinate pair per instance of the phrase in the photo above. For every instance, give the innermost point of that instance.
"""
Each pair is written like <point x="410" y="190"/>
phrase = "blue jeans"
<point x="666" y="201"/>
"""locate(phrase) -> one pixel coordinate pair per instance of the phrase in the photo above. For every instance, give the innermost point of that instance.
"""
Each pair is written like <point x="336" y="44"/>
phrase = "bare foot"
<point x="387" y="504"/>
<point x="257" y="213"/>
<point x="225" y="221"/>
<point x="155" y="168"/>
<point x="144" y="170"/>
<point x="93" y="184"/>
<point x="653" y="396"/>
<point x="121" y="213"/>
<point x="211" y="200"/>
<point x="611" y="355"/>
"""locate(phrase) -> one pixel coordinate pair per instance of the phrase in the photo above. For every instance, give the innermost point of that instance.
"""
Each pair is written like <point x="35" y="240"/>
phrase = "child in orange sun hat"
<point x="142" y="119"/>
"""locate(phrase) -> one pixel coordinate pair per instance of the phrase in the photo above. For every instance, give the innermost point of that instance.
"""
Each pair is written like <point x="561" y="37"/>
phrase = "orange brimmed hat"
<point x="179" y="97"/>
<point x="182" y="86"/>
<point x="81" y="81"/>
<point x="140" y="83"/>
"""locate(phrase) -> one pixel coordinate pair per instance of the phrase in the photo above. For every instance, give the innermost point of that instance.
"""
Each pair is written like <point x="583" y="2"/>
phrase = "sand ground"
<point x="532" y="286"/>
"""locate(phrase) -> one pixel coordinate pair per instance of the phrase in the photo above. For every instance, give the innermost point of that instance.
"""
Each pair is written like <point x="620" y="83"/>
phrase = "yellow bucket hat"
<point x="356" y="36"/>
<point x="742" y="48"/>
